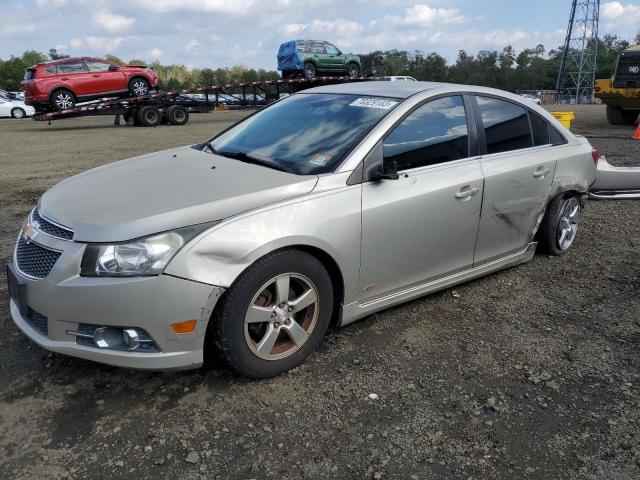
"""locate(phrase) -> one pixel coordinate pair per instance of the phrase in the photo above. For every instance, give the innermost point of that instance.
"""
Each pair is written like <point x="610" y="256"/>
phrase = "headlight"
<point x="145" y="256"/>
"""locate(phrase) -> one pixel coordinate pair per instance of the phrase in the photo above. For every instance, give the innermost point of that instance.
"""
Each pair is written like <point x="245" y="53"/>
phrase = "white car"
<point x="15" y="108"/>
<point x="531" y="98"/>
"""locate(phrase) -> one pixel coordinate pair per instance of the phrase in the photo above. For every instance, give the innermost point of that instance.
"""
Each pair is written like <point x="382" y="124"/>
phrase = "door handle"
<point x="466" y="192"/>
<point x="95" y="75"/>
<point x="541" y="172"/>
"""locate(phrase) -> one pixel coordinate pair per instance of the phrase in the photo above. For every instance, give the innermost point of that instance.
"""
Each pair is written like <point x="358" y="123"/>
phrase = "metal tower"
<point x="577" y="74"/>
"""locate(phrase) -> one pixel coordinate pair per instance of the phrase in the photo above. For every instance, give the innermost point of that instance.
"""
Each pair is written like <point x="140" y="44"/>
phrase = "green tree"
<point x="54" y="55"/>
<point x="136" y="61"/>
<point x="113" y="59"/>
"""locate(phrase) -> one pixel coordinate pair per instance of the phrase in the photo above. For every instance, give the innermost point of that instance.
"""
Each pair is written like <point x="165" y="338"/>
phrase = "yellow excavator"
<point x="621" y="93"/>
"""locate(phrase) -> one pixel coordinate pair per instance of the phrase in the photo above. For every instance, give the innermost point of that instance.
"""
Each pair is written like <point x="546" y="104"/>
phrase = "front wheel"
<point x="139" y="87"/>
<point x="274" y="315"/>
<point x="560" y="225"/>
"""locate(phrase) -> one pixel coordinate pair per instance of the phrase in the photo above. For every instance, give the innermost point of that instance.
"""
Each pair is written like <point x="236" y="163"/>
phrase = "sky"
<point x="223" y="33"/>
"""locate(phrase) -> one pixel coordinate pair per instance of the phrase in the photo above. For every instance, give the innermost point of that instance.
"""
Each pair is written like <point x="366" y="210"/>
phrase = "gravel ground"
<point x="533" y="372"/>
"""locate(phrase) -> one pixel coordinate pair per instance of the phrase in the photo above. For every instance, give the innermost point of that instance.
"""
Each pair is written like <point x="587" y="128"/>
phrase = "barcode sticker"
<point x="382" y="103"/>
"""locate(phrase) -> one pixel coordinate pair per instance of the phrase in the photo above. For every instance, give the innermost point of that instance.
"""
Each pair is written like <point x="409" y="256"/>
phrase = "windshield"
<point x="306" y="134"/>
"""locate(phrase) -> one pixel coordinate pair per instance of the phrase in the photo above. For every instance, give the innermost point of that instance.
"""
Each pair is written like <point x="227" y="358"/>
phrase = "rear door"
<point x="423" y="225"/>
<point x="5" y="111"/>
<point x="104" y="80"/>
<point x="518" y="169"/>
<point x="74" y="75"/>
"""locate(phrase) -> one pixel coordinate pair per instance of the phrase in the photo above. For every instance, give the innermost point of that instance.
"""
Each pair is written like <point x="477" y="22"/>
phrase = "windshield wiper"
<point x="247" y="158"/>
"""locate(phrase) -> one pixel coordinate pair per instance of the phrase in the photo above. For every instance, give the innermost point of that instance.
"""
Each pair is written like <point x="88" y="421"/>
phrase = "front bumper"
<point x="67" y="300"/>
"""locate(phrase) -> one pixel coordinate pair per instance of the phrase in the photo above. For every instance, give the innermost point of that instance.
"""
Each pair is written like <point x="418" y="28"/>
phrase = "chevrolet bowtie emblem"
<point x="27" y="233"/>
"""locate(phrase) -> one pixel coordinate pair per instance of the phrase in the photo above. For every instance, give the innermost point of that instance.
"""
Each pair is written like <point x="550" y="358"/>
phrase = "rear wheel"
<point x="18" y="113"/>
<point x="310" y="70"/>
<point x="177" y="115"/>
<point x="139" y="86"/>
<point x="274" y="315"/>
<point x="619" y="116"/>
<point x="63" y="100"/>
<point x="353" y="70"/>
<point x="560" y="225"/>
<point x="149" y="116"/>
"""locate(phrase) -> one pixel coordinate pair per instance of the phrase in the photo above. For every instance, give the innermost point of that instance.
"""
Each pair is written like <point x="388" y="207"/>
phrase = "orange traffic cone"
<point x="636" y="136"/>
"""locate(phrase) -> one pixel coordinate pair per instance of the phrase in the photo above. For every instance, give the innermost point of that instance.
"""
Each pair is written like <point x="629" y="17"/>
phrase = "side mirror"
<point x="113" y="68"/>
<point x="388" y="170"/>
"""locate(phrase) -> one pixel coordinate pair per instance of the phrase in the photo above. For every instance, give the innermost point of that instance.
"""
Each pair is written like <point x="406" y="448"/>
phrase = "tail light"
<point x="595" y="154"/>
<point x="597" y="89"/>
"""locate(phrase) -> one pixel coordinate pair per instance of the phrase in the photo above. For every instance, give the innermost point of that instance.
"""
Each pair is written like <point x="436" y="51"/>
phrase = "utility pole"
<point x="577" y="74"/>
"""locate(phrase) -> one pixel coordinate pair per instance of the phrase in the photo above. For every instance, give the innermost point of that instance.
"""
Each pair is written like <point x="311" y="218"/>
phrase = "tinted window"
<point x="306" y="133"/>
<point x="506" y="125"/>
<point x="556" y="137"/>
<point x="95" y="66"/>
<point x="74" y="67"/>
<point x="434" y="133"/>
<point x="52" y="70"/>
<point x="540" y="129"/>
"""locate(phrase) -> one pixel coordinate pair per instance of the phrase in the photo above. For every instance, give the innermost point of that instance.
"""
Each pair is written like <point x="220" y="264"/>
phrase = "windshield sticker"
<point x="320" y="159"/>
<point x="382" y="103"/>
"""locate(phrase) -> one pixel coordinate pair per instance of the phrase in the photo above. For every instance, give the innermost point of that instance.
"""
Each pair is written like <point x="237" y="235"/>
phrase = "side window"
<point x="95" y="66"/>
<point x="434" y="133"/>
<point x="556" y="137"/>
<point x="331" y="49"/>
<point x="540" y="129"/>
<point x="317" y="48"/>
<point x="53" y="69"/>
<point x="506" y="125"/>
<point x="73" y="67"/>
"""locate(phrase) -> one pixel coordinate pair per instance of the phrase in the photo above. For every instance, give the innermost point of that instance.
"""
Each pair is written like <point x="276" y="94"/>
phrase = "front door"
<point x="105" y="80"/>
<point x="518" y="166"/>
<point x="335" y="58"/>
<point x="423" y="225"/>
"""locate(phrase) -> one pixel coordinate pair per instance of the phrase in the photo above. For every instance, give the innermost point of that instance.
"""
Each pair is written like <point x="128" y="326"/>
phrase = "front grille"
<point x="35" y="260"/>
<point x="46" y="226"/>
<point x="38" y="322"/>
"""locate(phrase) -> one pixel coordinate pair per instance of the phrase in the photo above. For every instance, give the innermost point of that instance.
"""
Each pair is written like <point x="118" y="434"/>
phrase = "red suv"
<point x="60" y="84"/>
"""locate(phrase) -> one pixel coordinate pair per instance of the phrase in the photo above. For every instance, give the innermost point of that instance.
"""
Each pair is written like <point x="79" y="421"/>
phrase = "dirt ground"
<point x="533" y="372"/>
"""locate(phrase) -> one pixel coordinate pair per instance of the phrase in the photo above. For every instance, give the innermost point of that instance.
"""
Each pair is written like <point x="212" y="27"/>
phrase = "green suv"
<point x="309" y="57"/>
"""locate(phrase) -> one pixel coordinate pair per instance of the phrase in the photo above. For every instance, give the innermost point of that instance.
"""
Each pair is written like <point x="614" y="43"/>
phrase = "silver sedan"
<point x="323" y="208"/>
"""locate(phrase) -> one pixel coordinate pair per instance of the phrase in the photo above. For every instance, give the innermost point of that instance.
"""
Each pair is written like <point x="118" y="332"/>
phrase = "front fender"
<point x="329" y="221"/>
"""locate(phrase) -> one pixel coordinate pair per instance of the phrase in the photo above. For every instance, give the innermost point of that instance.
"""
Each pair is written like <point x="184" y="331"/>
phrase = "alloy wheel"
<point x="140" y="87"/>
<point x="64" y="101"/>
<point x="568" y="222"/>
<point x="309" y="71"/>
<point x="281" y="316"/>
<point x="18" y="113"/>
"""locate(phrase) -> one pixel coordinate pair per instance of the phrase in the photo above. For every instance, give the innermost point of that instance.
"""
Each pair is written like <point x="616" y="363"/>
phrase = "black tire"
<point x="227" y="325"/>
<point x="547" y="235"/>
<point x="62" y="99"/>
<point x="18" y="113"/>
<point x="353" y="70"/>
<point x="139" y="86"/>
<point x="177" y="115"/>
<point x="149" y="116"/>
<point x="286" y="74"/>
<point x="619" y="116"/>
<point x="310" y="70"/>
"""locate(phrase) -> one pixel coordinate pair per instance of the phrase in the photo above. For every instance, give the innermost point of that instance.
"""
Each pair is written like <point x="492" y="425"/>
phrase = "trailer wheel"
<point x="177" y="115"/>
<point x="149" y="116"/>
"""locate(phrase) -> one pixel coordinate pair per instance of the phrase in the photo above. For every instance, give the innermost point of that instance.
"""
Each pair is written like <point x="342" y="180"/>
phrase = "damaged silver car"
<point x="323" y="208"/>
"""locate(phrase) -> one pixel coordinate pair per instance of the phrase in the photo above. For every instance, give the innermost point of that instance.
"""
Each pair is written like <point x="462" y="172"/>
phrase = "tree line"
<point x="530" y="69"/>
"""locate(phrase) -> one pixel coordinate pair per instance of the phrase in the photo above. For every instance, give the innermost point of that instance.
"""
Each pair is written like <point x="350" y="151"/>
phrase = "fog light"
<point x="188" y="326"/>
<point x="131" y="338"/>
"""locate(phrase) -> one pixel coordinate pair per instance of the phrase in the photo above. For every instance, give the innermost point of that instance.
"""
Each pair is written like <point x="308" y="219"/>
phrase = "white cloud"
<point x="425" y="16"/>
<point x="623" y="19"/>
<point x="112" y="23"/>
<point x="101" y="44"/>
<point x="339" y="27"/>
<point x="191" y="44"/>
<point x="46" y="3"/>
<point x="155" y="53"/>
<point x="201" y="6"/>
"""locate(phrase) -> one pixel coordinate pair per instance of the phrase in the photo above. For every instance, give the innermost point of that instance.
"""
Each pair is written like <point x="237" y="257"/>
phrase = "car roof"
<point x="65" y="60"/>
<point x="379" y="88"/>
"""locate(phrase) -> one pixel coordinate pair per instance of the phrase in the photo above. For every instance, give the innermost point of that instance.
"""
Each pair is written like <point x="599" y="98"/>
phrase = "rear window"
<point x="556" y="137"/>
<point x="29" y="74"/>
<point x="73" y="67"/>
<point x="540" y="129"/>
<point x="506" y="125"/>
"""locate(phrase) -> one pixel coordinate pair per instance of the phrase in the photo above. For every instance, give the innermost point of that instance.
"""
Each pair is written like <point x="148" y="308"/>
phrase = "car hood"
<point x="162" y="191"/>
